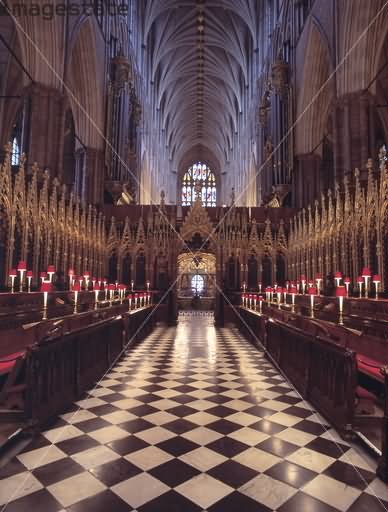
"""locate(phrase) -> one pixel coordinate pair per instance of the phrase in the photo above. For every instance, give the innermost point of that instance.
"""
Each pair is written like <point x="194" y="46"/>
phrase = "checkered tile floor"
<point x="193" y="418"/>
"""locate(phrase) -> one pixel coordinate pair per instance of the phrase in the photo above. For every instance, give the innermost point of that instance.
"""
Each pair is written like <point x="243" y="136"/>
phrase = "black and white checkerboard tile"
<point x="193" y="418"/>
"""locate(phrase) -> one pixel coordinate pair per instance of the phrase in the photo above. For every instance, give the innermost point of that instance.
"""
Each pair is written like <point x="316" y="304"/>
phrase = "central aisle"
<point x="193" y="418"/>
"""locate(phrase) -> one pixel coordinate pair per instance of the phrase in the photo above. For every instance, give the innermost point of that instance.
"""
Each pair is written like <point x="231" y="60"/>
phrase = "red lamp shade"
<point x="360" y="279"/>
<point x="22" y="265"/>
<point x="71" y="272"/>
<point x="311" y="284"/>
<point x="284" y="290"/>
<point x="279" y="289"/>
<point x="340" y="291"/>
<point x="29" y="273"/>
<point x="42" y="275"/>
<point x="51" y="269"/>
<point x="293" y="290"/>
<point x="96" y="287"/>
<point x="318" y="276"/>
<point x="347" y="280"/>
<point x="86" y="273"/>
<point x="12" y="272"/>
<point x="287" y="283"/>
<point x="261" y="298"/>
<point x="76" y="287"/>
<point x="366" y="272"/>
<point x="376" y="278"/>
<point x="94" y="279"/>
<point x="338" y="275"/>
<point x="111" y="287"/>
<point x="313" y="291"/>
<point x="46" y="287"/>
<point x="303" y="277"/>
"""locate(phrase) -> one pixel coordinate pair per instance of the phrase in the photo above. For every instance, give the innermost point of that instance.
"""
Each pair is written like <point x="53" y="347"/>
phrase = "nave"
<point x="192" y="418"/>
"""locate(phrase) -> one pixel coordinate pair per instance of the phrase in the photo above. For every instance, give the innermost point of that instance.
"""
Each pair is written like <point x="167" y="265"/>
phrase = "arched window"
<point x="16" y="138"/>
<point x="207" y="181"/>
<point x="15" y="155"/>
<point x="197" y="284"/>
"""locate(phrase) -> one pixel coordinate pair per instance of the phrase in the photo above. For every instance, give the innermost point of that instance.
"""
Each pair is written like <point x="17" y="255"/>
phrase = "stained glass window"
<point x="207" y="181"/>
<point x="197" y="284"/>
<point x="15" y="155"/>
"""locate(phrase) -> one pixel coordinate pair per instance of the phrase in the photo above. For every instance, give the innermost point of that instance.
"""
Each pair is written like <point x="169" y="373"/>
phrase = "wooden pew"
<point x="60" y="367"/>
<point x="323" y="372"/>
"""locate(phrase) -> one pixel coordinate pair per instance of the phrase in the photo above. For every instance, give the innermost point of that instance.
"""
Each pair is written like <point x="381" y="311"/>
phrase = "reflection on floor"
<point x="193" y="418"/>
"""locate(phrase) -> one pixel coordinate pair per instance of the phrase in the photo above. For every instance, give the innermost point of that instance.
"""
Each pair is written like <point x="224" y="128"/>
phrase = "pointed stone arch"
<point x="316" y="93"/>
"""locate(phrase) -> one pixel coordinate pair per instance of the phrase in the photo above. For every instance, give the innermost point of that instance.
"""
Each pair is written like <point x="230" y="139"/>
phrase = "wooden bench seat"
<point x="370" y="367"/>
<point x="8" y="362"/>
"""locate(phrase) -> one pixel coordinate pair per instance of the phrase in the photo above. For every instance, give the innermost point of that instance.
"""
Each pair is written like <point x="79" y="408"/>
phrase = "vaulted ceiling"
<point x="200" y="54"/>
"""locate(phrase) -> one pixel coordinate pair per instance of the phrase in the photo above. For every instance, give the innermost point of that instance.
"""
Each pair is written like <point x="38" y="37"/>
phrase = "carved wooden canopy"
<point x="197" y="221"/>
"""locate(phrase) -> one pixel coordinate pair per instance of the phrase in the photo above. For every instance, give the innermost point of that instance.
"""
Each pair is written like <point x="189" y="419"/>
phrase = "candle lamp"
<point x="129" y="302"/>
<point x="376" y="281"/>
<point x="303" y="281"/>
<point x="366" y="274"/>
<point x="360" y="282"/>
<point x="22" y="267"/>
<point x="80" y="280"/>
<point x="76" y="289"/>
<point x="312" y="293"/>
<point x="255" y="302"/>
<point x="136" y="296"/>
<point x="12" y="275"/>
<point x="148" y="286"/>
<point x="311" y="284"/>
<point x="244" y="287"/>
<point x="287" y="286"/>
<point x="94" y="280"/>
<point x="293" y="292"/>
<point x="347" y="282"/>
<point x="96" y="289"/>
<point x="70" y="273"/>
<point x="318" y="279"/>
<point x="106" y="288"/>
<point x="267" y="294"/>
<point x="122" y="292"/>
<point x="279" y="291"/>
<point x="111" y="289"/>
<point x="51" y="272"/>
<point x="250" y="301"/>
<point x="29" y="278"/>
<point x="340" y="292"/>
<point x="261" y="299"/>
<point x="285" y="296"/>
<point x="298" y="286"/>
<point x="260" y="285"/>
<point x="46" y="288"/>
<point x="337" y="278"/>
<point x="116" y="284"/>
<point x="87" y="278"/>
